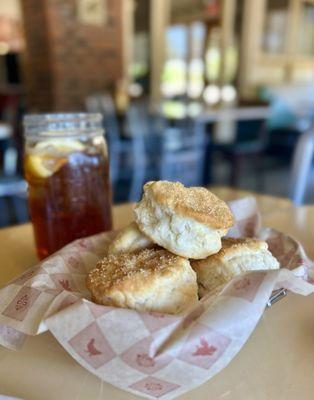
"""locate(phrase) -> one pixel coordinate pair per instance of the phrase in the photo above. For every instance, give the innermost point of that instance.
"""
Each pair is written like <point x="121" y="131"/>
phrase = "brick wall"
<point x="37" y="71"/>
<point x="65" y="59"/>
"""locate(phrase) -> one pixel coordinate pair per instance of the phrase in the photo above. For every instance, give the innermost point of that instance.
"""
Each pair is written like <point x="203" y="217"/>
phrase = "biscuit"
<point x="128" y="240"/>
<point x="150" y="280"/>
<point x="235" y="257"/>
<point x="188" y="222"/>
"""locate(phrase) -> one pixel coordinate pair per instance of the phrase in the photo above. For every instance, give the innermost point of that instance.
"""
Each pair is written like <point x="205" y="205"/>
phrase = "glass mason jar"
<point x="67" y="170"/>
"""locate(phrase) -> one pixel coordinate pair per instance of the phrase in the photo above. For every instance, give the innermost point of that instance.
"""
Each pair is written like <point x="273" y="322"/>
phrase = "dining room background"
<point x="206" y="92"/>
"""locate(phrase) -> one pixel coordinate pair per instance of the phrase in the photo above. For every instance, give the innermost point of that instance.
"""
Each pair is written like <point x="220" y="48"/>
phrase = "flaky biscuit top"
<point x="194" y="202"/>
<point x="232" y="247"/>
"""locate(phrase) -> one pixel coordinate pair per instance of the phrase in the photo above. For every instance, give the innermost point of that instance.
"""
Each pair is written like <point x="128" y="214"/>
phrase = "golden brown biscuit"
<point x="186" y="221"/>
<point x="128" y="240"/>
<point x="235" y="257"/>
<point x="150" y="280"/>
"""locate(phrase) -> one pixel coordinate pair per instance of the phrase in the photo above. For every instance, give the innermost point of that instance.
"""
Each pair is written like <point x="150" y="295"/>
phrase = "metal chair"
<point x="103" y="104"/>
<point x="126" y="154"/>
<point x="183" y="156"/>
<point x="13" y="188"/>
<point x="146" y="132"/>
<point x="167" y="153"/>
<point x="301" y="166"/>
<point x="250" y="142"/>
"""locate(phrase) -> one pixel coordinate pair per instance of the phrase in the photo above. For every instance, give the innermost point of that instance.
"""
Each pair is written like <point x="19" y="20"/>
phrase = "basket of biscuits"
<point x="164" y="304"/>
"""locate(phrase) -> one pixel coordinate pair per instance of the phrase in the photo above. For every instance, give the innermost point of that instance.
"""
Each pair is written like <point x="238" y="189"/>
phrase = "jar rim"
<point x="62" y="124"/>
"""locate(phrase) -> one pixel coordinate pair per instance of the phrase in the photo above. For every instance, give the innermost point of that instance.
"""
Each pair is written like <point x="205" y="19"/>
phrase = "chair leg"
<point x="11" y="211"/>
<point x="137" y="182"/>
<point x="236" y="163"/>
<point x="207" y="169"/>
<point x="259" y="172"/>
<point x="301" y="165"/>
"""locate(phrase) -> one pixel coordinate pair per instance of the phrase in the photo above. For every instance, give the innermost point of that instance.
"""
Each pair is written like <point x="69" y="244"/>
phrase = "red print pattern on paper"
<point x="139" y="356"/>
<point x="74" y="262"/>
<point x="92" y="346"/>
<point x="155" y="321"/>
<point x="85" y="244"/>
<point x="247" y="286"/>
<point x="21" y="304"/>
<point x="91" y="349"/>
<point x="203" y="347"/>
<point x="64" y="282"/>
<point x="144" y="360"/>
<point x="154" y="387"/>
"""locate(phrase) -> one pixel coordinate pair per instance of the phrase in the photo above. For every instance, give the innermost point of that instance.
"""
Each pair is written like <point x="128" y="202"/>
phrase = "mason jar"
<point x="67" y="170"/>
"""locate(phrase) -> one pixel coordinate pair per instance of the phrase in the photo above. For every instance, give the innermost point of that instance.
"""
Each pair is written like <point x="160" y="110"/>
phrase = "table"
<point x="276" y="362"/>
<point x="225" y="119"/>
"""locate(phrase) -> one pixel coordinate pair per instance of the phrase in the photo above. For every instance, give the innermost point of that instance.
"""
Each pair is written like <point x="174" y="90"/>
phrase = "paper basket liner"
<point x="153" y="355"/>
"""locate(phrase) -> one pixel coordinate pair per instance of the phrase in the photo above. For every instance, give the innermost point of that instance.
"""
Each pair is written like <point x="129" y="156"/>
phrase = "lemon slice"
<point x="63" y="146"/>
<point x="49" y="155"/>
<point x="43" y="167"/>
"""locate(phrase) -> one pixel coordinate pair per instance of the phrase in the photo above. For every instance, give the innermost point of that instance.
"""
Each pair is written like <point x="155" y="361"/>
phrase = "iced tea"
<point x="69" y="189"/>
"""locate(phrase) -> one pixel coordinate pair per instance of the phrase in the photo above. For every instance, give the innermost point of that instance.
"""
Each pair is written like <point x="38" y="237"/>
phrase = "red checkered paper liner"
<point x="152" y="355"/>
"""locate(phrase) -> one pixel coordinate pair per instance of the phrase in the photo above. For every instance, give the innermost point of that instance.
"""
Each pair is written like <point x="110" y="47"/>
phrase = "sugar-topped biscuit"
<point x="128" y="240"/>
<point x="235" y="257"/>
<point x="186" y="221"/>
<point x="149" y="280"/>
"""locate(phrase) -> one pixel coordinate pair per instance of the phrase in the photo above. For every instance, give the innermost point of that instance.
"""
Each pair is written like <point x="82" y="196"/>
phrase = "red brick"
<point x="65" y="60"/>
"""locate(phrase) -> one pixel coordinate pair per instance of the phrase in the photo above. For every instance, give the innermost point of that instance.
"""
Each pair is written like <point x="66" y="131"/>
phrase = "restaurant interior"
<point x="205" y="92"/>
<point x="156" y="199"/>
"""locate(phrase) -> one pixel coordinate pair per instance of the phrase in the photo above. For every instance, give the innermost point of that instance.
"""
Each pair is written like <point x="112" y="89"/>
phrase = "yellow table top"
<point x="276" y="362"/>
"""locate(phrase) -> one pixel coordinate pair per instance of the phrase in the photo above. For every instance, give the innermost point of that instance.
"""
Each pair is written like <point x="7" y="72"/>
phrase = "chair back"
<point x="185" y="166"/>
<point x="103" y="104"/>
<point x="301" y="166"/>
<point x="183" y="156"/>
<point x="8" y="152"/>
<point x="13" y="188"/>
<point x="249" y="130"/>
